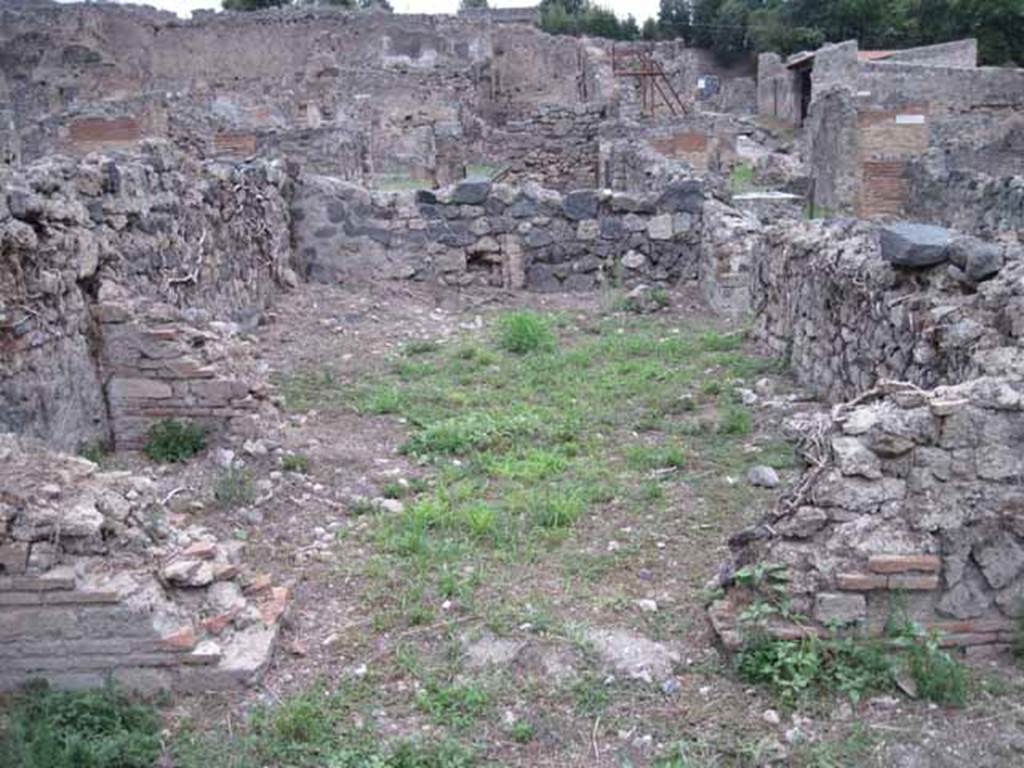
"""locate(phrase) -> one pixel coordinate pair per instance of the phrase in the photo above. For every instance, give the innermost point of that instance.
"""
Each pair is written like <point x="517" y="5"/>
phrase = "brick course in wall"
<point x="94" y="584"/>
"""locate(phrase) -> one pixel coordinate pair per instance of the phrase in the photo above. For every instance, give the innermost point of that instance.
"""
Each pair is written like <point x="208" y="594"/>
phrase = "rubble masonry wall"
<point x="911" y="504"/>
<point x="116" y="230"/>
<point x="496" y="234"/>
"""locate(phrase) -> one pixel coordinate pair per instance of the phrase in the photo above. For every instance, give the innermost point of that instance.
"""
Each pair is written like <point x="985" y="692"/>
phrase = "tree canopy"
<point x="583" y="17"/>
<point x="735" y="28"/>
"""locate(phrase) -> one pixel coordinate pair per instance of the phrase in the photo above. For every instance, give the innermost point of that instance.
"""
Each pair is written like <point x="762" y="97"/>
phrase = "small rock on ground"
<point x="763" y="477"/>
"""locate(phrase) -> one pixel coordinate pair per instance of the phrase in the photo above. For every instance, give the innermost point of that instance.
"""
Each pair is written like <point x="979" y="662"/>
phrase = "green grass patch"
<point x="590" y="695"/>
<point x="172" y="441"/>
<point x="741" y="178"/>
<point x="454" y="706"/>
<point x="313" y="730"/>
<point x="525" y="332"/>
<point x="295" y="462"/>
<point x="89" y="729"/>
<point x="646" y="458"/>
<point x="421" y="347"/>
<point x="312" y="388"/>
<point x="525" y="438"/>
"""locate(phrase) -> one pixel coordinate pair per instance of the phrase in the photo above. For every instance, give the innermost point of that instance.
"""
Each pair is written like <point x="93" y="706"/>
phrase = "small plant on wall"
<point x="174" y="441"/>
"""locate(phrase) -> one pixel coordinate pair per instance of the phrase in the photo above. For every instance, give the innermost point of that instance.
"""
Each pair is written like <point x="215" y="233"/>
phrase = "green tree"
<point x="582" y="17"/>
<point x="473" y="5"/>
<point x="704" y="20"/>
<point x="571" y="7"/>
<point x="674" y="20"/>
<point x="555" y="19"/>
<point x="649" y="30"/>
<point x="729" y="36"/>
<point x="629" y="29"/>
<point x="600" y="22"/>
<point x="997" y="24"/>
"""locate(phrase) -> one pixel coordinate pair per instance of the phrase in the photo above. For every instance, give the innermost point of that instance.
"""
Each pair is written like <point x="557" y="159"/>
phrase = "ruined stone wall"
<point x="645" y="155"/>
<point x="736" y="91"/>
<point x="910" y="505"/>
<point x="871" y="122"/>
<point x="868" y="316"/>
<point x="970" y="201"/>
<point x="556" y="147"/>
<point x="778" y="90"/>
<point x="95" y="583"/>
<point x="959" y="89"/>
<point x="911" y="512"/>
<point x="110" y="228"/>
<point x="958" y="53"/>
<point x="363" y="96"/>
<point x="477" y="232"/>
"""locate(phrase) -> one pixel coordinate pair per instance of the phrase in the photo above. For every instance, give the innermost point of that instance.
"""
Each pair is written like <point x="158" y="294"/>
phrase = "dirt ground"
<point x="587" y="649"/>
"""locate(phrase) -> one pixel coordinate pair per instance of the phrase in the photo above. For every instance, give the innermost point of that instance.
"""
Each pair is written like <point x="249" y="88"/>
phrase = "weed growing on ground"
<point x="590" y="695"/>
<point x="522" y="732"/>
<point x="313" y="388"/>
<point x="853" y="667"/>
<point x="174" y="441"/>
<point x="295" y="462"/>
<point x="394" y="490"/>
<point x="362" y="507"/>
<point x="312" y="730"/>
<point x="688" y="754"/>
<point x="455" y="706"/>
<point x="937" y="675"/>
<point x="848" y="751"/>
<point x="94" y="729"/>
<point x="234" y="488"/>
<point x="741" y="178"/>
<point x="525" y="332"/>
<point x="422" y="347"/>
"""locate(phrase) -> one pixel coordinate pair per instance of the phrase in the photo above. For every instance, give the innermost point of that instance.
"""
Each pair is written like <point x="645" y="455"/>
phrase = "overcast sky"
<point x="639" y="8"/>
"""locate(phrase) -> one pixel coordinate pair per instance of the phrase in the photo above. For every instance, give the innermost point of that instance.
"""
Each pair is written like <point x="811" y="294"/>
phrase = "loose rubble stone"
<point x="853" y="458"/>
<point x="763" y="476"/>
<point x="915" y="245"/>
<point x="634" y="655"/>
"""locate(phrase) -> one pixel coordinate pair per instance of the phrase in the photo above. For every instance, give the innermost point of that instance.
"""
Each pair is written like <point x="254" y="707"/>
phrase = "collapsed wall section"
<point x="96" y="583"/>
<point x="912" y="511"/>
<point x="120" y="229"/>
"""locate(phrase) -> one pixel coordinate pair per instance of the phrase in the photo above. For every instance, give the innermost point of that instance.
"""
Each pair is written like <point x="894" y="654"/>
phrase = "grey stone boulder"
<point x="686" y="196"/>
<point x="82" y="520"/>
<point x="763" y="477"/>
<point x="853" y="458"/>
<point x="915" y="245"/>
<point x="523" y="207"/>
<point x="1001" y="559"/>
<point x="967" y="600"/>
<point x="580" y="205"/>
<point x="471" y="192"/>
<point x="977" y="259"/>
